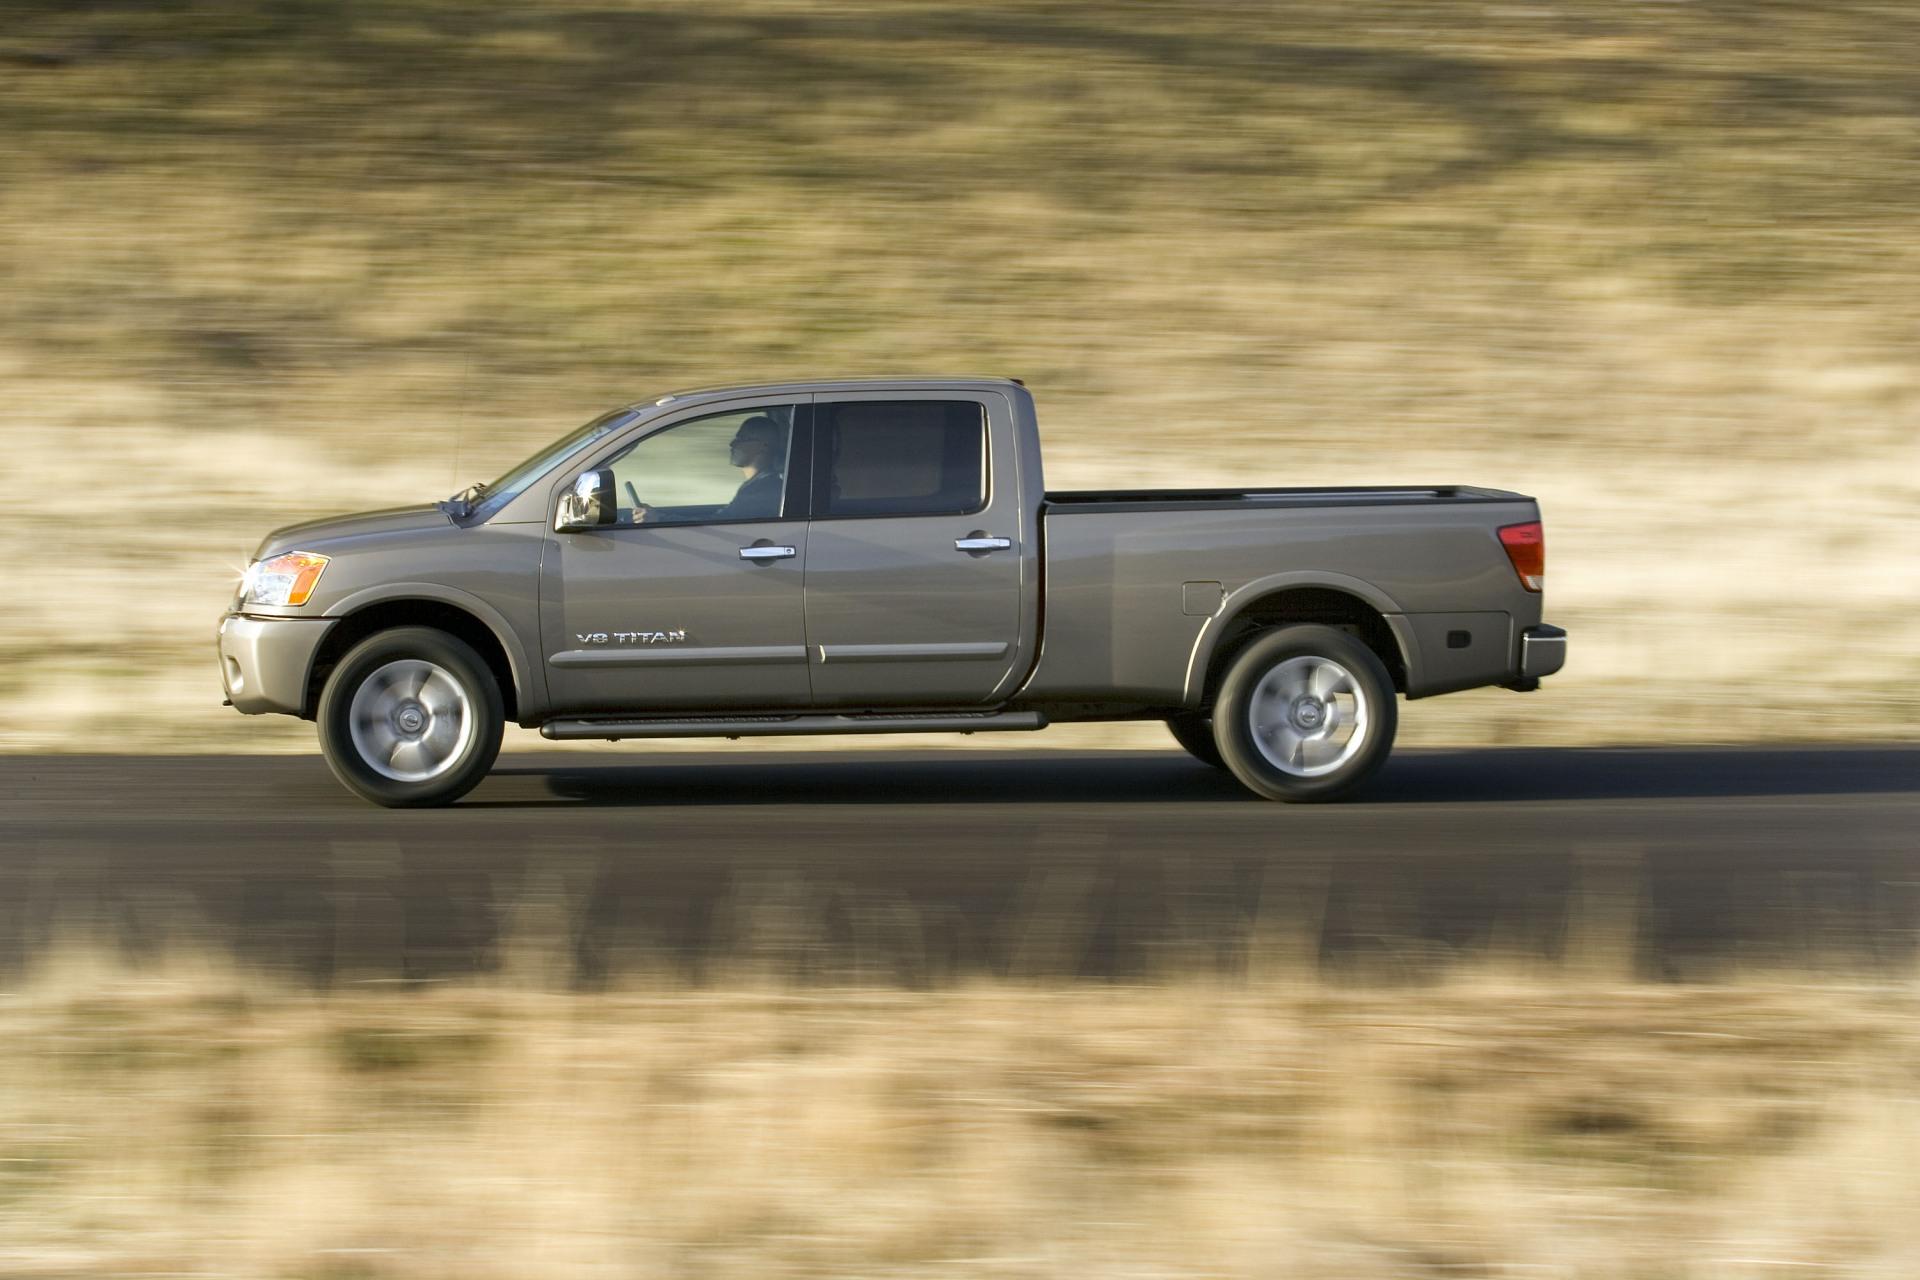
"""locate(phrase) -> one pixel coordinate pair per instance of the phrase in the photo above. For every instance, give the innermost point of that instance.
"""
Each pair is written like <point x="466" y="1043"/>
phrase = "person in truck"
<point x="758" y="448"/>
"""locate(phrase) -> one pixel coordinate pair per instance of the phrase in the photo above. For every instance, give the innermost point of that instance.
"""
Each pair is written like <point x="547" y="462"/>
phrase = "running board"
<point x="792" y="726"/>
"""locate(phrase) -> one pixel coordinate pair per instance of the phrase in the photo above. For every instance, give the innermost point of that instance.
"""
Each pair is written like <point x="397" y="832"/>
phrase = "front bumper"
<point x="1543" y="651"/>
<point x="264" y="662"/>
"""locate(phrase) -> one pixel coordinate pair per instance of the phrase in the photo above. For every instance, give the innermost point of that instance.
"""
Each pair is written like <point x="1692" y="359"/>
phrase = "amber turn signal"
<point x="284" y="580"/>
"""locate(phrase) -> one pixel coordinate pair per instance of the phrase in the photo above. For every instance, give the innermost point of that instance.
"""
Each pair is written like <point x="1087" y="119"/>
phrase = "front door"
<point x="915" y="553"/>
<point x="693" y="598"/>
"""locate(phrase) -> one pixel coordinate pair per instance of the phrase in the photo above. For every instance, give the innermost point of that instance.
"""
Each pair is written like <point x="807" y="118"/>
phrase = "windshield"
<point x="497" y="494"/>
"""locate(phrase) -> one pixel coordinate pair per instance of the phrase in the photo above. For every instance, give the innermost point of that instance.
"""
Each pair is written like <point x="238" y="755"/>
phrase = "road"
<point x="923" y="867"/>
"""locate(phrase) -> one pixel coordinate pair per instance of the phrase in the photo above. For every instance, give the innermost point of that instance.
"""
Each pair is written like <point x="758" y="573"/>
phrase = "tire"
<point x="1195" y="732"/>
<point x="411" y="718"/>
<point x="1286" y="699"/>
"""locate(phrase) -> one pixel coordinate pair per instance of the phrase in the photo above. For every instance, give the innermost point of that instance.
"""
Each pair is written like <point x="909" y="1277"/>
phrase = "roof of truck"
<point x="918" y="382"/>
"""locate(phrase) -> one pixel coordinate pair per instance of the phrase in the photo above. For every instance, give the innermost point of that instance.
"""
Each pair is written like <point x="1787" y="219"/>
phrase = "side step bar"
<point x="792" y="726"/>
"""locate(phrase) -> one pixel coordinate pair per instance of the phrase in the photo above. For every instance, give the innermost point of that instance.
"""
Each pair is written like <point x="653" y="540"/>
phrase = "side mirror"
<point x="589" y="505"/>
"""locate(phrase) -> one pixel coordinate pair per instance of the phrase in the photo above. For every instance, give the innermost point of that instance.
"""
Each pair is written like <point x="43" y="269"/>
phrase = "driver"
<point x="756" y="450"/>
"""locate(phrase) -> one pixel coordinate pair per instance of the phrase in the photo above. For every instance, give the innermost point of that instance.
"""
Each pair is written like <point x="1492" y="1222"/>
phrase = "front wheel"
<point x="411" y="718"/>
<point x="1305" y="713"/>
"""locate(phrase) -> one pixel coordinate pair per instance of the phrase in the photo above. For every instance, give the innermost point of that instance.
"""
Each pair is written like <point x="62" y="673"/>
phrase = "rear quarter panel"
<point x="1115" y="583"/>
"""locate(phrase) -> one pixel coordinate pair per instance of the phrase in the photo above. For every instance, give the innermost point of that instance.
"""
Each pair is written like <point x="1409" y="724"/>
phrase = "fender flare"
<point x="1248" y="594"/>
<point x="529" y="699"/>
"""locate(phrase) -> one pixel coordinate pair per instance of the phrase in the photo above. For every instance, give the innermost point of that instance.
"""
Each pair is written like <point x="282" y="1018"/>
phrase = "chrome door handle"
<point x="768" y="553"/>
<point x="982" y="544"/>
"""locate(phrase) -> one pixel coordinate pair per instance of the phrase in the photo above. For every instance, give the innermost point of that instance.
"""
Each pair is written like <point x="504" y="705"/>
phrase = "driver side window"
<point x="721" y="468"/>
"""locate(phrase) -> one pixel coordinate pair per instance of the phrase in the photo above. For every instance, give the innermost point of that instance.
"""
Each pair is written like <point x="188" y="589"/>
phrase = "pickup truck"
<point x="876" y="556"/>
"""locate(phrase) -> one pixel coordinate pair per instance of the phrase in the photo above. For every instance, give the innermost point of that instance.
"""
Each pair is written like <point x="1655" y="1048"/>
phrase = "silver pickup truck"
<point x="876" y="556"/>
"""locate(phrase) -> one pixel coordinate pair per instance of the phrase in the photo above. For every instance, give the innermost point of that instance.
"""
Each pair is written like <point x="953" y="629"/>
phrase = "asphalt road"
<point x="923" y="867"/>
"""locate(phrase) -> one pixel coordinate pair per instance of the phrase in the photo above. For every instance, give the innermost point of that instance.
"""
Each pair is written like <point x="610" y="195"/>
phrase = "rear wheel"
<point x="1305" y="713"/>
<point x="1195" y="732"/>
<point x="411" y="718"/>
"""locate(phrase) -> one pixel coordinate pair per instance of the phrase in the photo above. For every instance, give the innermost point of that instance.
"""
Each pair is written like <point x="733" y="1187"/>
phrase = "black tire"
<point x="1195" y="732"/>
<point x="455" y="718"/>
<point x="1364" y="686"/>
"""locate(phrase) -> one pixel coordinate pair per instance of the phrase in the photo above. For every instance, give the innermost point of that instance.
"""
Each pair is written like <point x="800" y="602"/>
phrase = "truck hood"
<point x="314" y="534"/>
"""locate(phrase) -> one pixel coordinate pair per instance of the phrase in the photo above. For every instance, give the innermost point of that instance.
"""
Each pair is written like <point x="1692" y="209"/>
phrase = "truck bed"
<point x="1072" y="501"/>
<point x="1134" y="579"/>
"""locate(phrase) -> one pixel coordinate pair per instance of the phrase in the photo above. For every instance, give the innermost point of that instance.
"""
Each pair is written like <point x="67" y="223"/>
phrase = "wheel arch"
<point x="1336" y="600"/>
<point x="465" y="617"/>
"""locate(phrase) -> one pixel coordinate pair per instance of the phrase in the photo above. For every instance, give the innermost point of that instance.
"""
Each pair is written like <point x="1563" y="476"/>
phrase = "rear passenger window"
<point x="900" y="458"/>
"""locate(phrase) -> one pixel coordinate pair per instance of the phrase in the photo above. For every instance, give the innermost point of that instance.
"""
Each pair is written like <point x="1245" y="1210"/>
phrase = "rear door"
<point x="914" y="584"/>
<point x="693" y="599"/>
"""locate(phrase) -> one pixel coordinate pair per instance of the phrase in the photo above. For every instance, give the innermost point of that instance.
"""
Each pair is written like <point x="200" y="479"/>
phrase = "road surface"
<point x="924" y="867"/>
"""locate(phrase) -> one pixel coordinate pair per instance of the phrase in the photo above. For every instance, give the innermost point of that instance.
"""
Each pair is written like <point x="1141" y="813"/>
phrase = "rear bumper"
<point x="264" y="662"/>
<point x="1543" y="651"/>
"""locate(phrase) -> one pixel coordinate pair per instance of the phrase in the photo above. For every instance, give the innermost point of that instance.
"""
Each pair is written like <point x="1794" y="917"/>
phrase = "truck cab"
<point x="892" y="564"/>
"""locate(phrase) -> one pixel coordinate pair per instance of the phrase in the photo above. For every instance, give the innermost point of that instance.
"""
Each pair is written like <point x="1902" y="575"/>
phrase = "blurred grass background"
<point x="187" y="1121"/>
<point x="1240" y="1108"/>
<point x="1655" y="264"/>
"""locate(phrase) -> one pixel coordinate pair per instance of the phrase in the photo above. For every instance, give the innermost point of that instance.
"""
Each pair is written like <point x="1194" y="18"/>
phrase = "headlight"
<point x="284" y="580"/>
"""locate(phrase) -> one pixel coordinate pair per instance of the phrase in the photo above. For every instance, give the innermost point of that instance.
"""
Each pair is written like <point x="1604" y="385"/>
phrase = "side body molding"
<point x="1241" y="597"/>
<point x="531" y="692"/>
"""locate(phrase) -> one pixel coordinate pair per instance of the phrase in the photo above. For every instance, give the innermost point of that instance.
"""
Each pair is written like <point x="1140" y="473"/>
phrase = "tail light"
<point x="1527" y="547"/>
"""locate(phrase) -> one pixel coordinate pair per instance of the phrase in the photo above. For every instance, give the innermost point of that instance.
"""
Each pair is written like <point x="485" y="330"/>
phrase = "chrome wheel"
<point x="411" y="720"/>
<point x="1309" y="716"/>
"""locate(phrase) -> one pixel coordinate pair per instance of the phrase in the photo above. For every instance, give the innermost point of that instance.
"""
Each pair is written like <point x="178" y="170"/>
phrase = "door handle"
<point x="768" y="553"/>
<point x="982" y="544"/>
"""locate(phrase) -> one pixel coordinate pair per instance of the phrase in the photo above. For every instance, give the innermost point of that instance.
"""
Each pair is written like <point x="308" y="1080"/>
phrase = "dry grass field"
<point x="183" y="1118"/>
<point x="1655" y="264"/>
